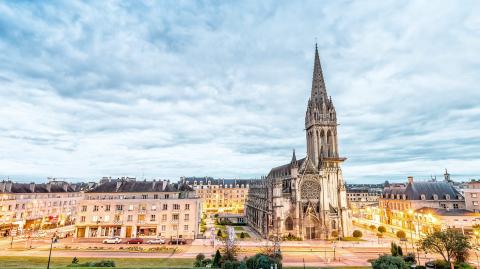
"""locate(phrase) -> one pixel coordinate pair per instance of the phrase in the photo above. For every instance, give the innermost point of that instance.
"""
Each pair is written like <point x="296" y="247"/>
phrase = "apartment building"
<point x="31" y="206"/>
<point x="471" y="191"/>
<point x="129" y="208"/>
<point x="220" y="195"/>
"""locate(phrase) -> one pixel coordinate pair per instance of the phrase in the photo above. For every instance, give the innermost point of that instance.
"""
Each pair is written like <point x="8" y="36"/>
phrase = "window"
<point x="152" y="217"/>
<point x="164" y="207"/>
<point x="175" y="217"/>
<point x="155" y="196"/>
<point x="167" y="196"/>
<point x="143" y="207"/>
<point x="174" y="227"/>
<point x="164" y="217"/>
<point x="187" y="206"/>
<point x="185" y="228"/>
<point x="176" y="207"/>
<point x="94" y="218"/>
<point x="154" y="208"/>
<point x="119" y="207"/>
<point x="141" y="217"/>
<point x="435" y="197"/>
<point x="164" y="228"/>
<point x="130" y="218"/>
<point x="107" y="218"/>
<point x="455" y="206"/>
<point x="116" y="218"/>
<point x="187" y="217"/>
<point x="130" y="207"/>
<point x="82" y="219"/>
<point x="475" y="203"/>
<point x="95" y="208"/>
<point x="144" y="196"/>
<point x="84" y="208"/>
<point x="107" y="208"/>
<point x="473" y="195"/>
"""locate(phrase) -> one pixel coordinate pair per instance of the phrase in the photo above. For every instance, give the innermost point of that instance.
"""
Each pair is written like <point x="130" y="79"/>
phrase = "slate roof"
<point x="218" y="181"/>
<point x="284" y="169"/>
<point x="50" y="187"/>
<point x="139" y="186"/>
<point x="415" y="190"/>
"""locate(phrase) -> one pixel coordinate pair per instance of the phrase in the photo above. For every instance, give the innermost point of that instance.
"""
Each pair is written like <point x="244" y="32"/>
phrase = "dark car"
<point x="135" y="241"/>
<point x="179" y="241"/>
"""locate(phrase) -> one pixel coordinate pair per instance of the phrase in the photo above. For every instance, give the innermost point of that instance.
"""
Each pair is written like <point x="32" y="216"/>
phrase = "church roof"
<point x="284" y="169"/>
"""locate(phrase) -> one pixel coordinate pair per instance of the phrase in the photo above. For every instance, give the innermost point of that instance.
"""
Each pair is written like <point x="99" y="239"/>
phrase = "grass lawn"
<point x="62" y="262"/>
<point x="238" y="228"/>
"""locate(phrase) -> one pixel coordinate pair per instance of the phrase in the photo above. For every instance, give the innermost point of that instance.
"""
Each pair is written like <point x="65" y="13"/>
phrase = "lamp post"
<point x="54" y="240"/>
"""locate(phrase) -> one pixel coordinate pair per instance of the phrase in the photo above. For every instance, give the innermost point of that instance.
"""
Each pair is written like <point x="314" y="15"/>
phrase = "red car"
<point x="135" y="241"/>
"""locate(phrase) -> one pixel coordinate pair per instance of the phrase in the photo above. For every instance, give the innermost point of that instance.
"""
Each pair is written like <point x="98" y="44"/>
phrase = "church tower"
<point x="320" y="119"/>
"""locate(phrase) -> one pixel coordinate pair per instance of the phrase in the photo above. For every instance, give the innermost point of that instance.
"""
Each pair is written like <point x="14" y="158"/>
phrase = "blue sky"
<point x="163" y="89"/>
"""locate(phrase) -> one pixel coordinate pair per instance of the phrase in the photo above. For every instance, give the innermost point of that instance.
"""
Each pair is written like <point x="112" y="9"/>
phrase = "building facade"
<point x="306" y="197"/>
<point x="128" y="208"/>
<point x="362" y="197"/>
<point x="29" y="207"/>
<point x="400" y="202"/>
<point x="471" y="192"/>
<point x="220" y="195"/>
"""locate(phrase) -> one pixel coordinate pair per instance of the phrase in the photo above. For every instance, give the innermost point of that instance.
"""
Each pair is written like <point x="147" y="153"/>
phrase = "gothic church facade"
<point x="306" y="197"/>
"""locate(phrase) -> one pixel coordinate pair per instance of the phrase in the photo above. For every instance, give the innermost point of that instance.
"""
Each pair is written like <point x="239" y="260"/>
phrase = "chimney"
<point x="119" y="184"/>
<point x="410" y="180"/>
<point x="153" y="184"/>
<point x="65" y="186"/>
<point x="49" y="186"/>
<point x="32" y="186"/>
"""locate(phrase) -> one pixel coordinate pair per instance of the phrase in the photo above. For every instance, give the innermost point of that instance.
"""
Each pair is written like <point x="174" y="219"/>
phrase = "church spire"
<point x="319" y="92"/>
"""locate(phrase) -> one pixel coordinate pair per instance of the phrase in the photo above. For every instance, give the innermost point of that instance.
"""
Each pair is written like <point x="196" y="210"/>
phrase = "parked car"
<point x="179" y="241"/>
<point x="156" y="241"/>
<point x="113" y="240"/>
<point x="135" y="241"/>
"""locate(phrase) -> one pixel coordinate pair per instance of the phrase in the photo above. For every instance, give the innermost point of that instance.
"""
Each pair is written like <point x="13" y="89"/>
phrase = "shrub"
<point x="381" y="229"/>
<point x="219" y="233"/>
<point x="409" y="258"/>
<point x="389" y="262"/>
<point x="357" y="234"/>
<point x="262" y="261"/>
<point x="199" y="260"/>
<point x="334" y="234"/>
<point x="75" y="260"/>
<point x="373" y="227"/>
<point x="216" y="259"/>
<point x="396" y="250"/>
<point x="401" y="234"/>
<point x="242" y="235"/>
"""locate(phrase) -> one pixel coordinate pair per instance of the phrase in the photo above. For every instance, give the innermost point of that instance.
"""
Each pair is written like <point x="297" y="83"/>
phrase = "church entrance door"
<point x="311" y="222"/>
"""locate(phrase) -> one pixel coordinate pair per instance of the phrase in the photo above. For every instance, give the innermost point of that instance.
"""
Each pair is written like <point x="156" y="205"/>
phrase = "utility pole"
<point x="51" y="246"/>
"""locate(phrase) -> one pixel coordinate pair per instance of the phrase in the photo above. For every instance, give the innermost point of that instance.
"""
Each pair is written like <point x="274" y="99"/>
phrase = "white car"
<point x="114" y="240"/>
<point x="156" y="241"/>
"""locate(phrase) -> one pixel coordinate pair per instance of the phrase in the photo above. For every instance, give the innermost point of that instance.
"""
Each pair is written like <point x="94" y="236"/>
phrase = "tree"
<point x="396" y="250"/>
<point x="401" y="235"/>
<point x="263" y="261"/>
<point x="199" y="260"/>
<point x="242" y="235"/>
<point x="381" y="229"/>
<point x="216" y="259"/>
<point x="357" y="234"/>
<point x="230" y="249"/>
<point x="334" y="234"/>
<point x="452" y="245"/>
<point x="389" y="262"/>
<point x="373" y="227"/>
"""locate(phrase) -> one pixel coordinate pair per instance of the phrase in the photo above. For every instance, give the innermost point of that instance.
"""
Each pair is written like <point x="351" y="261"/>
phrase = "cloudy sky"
<point x="169" y="89"/>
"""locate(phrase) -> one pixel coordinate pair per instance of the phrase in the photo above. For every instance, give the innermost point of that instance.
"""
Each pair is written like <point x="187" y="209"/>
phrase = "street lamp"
<point x="54" y="240"/>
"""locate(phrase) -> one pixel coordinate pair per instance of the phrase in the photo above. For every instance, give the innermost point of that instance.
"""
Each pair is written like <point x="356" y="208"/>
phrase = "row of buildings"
<point x="121" y="207"/>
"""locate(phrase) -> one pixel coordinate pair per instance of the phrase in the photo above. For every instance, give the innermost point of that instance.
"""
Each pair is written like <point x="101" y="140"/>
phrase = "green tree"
<point x="216" y="259"/>
<point x="242" y="235"/>
<point x="389" y="262"/>
<point x="357" y="234"/>
<point x="451" y="244"/>
<point x="75" y="260"/>
<point x="381" y="229"/>
<point x="401" y="235"/>
<point x="395" y="249"/>
<point x="373" y="227"/>
<point x="219" y="233"/>
<point x="199" y="260"/>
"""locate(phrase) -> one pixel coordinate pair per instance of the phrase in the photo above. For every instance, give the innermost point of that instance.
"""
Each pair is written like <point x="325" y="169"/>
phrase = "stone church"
<point x="306" y="197"/>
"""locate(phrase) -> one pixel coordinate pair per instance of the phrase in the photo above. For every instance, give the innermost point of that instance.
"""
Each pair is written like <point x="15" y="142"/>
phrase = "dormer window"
<point x="422" y="197"/>
<point x="435" y="197"/>
<point x="404" y="197"/>
<point x="447" y="196"/>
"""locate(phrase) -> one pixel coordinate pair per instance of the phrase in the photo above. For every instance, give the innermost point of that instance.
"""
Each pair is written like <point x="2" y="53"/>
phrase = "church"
<point x="305" y="198"/>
